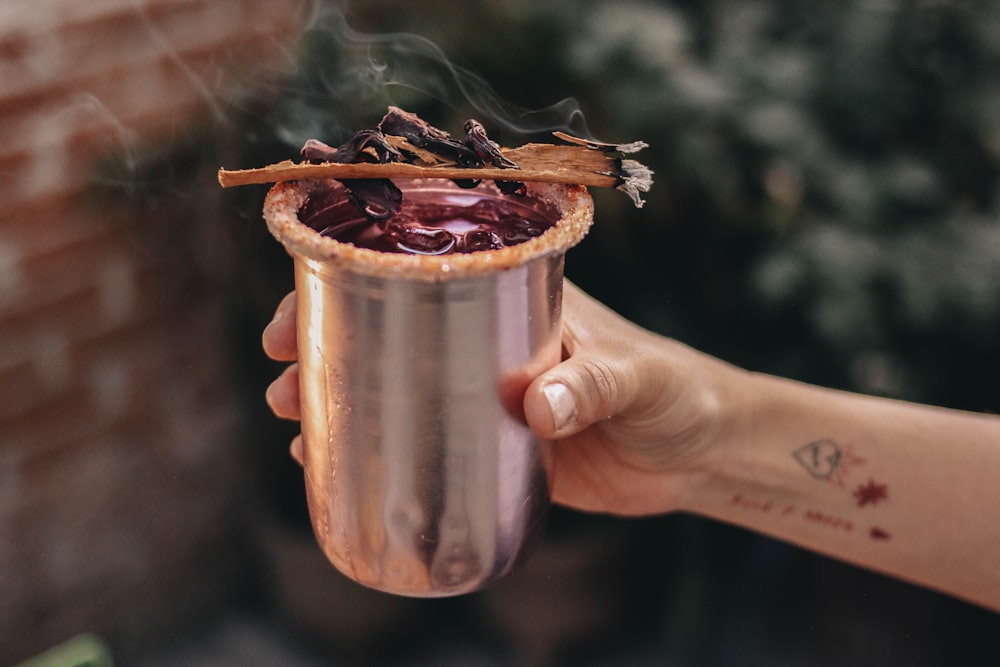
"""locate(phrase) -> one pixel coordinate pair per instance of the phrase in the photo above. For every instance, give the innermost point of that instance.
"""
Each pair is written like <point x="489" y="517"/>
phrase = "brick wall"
<point x="119" y="432"/>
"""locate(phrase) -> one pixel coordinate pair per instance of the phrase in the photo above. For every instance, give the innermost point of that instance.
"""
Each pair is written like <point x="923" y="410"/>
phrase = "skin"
<point x="645" y="425"/>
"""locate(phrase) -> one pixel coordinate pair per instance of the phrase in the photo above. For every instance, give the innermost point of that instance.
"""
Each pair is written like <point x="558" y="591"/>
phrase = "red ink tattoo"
<point x="813" y="516"/>
<point x="878" y="534"/>
<point x="825" y="459"/>
<point x="827" y="520"/>
<point x="871" y="492"/>
<point x="751" y="503"/>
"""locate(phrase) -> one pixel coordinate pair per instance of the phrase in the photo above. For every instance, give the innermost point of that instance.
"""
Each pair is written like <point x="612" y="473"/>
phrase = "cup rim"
<point x="573" y="203"/>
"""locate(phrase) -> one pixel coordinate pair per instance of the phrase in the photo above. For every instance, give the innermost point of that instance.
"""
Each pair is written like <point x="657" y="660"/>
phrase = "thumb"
<point x="577" y="393"/>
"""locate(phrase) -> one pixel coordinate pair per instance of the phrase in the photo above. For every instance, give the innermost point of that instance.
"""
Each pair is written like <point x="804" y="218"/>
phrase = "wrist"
<point x="731" y="404"/>
<point x="758" y="463"/>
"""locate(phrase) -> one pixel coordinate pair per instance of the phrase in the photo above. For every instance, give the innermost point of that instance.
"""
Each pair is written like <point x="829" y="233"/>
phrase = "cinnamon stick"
<point x="539" y="163"/>
<point x="542" y="163"/>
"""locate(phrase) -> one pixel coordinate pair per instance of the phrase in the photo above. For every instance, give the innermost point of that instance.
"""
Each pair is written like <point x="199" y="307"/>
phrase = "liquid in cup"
<point x="421" y="477"/>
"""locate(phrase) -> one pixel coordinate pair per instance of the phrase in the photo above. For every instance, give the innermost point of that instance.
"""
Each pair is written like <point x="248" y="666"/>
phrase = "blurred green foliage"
<point x="826" y="173"/>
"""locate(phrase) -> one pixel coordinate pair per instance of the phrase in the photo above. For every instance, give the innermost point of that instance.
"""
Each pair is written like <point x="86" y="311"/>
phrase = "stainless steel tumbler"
<point x="421" y="476"/>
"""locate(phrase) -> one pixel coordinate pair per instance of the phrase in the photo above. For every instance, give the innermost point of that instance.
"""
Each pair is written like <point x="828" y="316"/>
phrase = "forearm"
<point x="908" y="490"/>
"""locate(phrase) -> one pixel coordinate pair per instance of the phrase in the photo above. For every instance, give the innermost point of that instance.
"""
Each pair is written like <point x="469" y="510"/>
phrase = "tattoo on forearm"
<point x="790" y="510"/>
<point x="871" y="493"/>
<point x="816" y="517"/>
<point x="826" y="459"/>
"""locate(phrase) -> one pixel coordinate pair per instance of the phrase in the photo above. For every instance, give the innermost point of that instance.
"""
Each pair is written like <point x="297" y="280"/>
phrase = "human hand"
<point x="638" y="418"/>
<point x="280" y="343"/>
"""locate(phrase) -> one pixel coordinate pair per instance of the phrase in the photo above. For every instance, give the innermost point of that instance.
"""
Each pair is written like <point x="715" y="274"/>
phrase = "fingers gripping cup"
<point x="421" y="476"/>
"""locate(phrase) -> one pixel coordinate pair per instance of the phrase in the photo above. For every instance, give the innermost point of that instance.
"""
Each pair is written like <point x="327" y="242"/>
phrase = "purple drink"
<point x="433" y="223"/>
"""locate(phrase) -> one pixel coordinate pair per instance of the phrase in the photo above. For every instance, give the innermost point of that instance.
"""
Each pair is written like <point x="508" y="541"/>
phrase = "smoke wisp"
<point x="346" y="78"/>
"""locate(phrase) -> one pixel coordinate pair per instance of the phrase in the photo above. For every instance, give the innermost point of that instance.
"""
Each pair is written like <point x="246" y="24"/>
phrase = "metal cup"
<point x="422" y="478"/>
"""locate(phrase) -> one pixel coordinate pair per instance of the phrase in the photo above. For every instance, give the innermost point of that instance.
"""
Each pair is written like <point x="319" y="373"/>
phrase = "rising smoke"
<point x="345" y="79"/>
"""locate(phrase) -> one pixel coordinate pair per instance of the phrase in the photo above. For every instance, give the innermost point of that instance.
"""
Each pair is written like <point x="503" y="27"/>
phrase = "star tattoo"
<point x="871" y="493"/>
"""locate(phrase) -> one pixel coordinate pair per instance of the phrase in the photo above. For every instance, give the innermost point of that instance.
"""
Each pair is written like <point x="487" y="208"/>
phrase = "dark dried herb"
<point x="353" y="150"/>
<point x="422" y="134"/>
<point x="489" y="152"/>
<point x="379" y="198"/>
<point x="419" y="239"/>
<point x="487" y="149"/>
<point x="315" y="150"/>
<point x="481" y="239"/>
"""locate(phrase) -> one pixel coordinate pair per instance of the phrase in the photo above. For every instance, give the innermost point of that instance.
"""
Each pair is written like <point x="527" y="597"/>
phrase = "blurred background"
<point x="825" y="207"/>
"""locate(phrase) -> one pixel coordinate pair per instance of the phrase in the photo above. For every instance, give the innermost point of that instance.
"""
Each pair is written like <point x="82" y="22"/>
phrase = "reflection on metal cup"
<point x="422" y="478"/>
